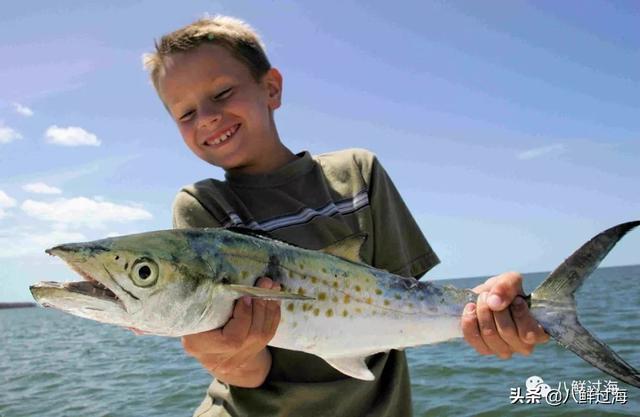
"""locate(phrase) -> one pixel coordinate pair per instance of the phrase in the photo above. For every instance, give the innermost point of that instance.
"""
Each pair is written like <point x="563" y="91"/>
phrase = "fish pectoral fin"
<point x="266" y="294"/>
<point x="354" y="367"/>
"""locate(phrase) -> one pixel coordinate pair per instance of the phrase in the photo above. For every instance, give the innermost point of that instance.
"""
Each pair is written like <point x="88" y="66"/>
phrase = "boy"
<point x="218" y="85"/>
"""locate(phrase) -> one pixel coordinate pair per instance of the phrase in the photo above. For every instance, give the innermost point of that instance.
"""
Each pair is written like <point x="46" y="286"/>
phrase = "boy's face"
<point x="223" y="114"/>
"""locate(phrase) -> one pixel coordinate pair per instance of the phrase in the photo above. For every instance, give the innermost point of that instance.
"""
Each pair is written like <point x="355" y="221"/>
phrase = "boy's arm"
<point x="236" y="353"/>
<point x="493" y="326"/>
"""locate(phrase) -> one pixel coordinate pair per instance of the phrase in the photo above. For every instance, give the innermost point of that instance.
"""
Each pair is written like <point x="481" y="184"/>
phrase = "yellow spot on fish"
<point x="325" y="282"/>
<point x="306" y="307"/>
<point x="398" y="296"/>
<point x="301" y="291"/>
<point x="290" y="306"/>
<point x="316" y="311"/>
<point x="314" y="280"/>
<point x="358" y="310"/>
<point x="322" y="296"/>
<point x="324" y="270"/>
<point x="335" y="284"/>
<point x="358" y="288"/>
<point x="301" y="266"/>
<point x="386" y="302"/>
<point x="347" y="298"/>
<point x="335" y="299"/>
<point x="378" y="291"/>
<point x="369" y="300"/>
<point x="245" y="274"/>
<point x="345" y="313"/>
<point x="410" y="305"/>
<point x="330" y="312"/>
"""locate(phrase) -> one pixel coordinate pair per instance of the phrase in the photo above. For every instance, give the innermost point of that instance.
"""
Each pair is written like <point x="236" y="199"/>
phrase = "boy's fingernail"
<point x="494" y="301"/>
<point x="469" y="309"/>
<point x="246" y="300"/>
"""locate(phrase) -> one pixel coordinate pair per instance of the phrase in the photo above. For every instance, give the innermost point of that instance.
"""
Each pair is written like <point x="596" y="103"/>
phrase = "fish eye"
<point x="144" y="272"/>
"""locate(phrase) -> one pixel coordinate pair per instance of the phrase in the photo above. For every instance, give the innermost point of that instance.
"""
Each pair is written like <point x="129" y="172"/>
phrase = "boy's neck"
<point x="275" y="160"/>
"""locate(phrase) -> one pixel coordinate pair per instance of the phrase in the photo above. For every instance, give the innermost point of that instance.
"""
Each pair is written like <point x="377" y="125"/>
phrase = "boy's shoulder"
<point x="347" y="160"/>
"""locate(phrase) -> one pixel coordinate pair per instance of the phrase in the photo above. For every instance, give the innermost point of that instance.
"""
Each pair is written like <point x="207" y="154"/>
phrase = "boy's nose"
<point x="208" y="118"/>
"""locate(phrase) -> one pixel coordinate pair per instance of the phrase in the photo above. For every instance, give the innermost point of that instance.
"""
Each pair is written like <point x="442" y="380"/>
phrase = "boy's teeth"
<point x="224" y="136"/>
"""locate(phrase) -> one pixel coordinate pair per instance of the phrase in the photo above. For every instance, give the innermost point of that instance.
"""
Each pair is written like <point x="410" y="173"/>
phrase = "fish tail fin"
<point x="554" y="306"/>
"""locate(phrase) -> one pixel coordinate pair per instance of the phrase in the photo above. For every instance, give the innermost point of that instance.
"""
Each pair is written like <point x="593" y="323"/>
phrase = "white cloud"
<point x="41" y="188"/>
<point x="22" y="110"/>
<point x="538" y="152"/>
<point x="25" y="242"/>
<point x="2" y="213"/>
<point x="6" y="201"/>
<point x="8" y="134"/>
<point x="82" y="211"/>
<point x="71" y="136"/>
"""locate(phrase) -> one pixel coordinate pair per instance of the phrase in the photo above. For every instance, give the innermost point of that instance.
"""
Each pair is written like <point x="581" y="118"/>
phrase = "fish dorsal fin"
<point x="354" y="367"/>
<point x="348" y="248"/>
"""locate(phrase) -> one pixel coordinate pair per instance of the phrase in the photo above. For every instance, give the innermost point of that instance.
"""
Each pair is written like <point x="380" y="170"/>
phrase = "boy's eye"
<point x="186" y="116"/>
<point x="223" y="94"/>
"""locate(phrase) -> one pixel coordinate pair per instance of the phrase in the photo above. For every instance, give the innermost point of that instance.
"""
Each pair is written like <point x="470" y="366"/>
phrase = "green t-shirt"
<point x="314" y="202"/>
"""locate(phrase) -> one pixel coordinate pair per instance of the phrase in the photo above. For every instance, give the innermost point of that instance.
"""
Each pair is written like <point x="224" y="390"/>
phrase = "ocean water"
<point x="56" y="365"/>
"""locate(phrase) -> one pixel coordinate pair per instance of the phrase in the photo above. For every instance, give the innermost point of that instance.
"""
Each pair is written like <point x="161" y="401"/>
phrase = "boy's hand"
<point x="500" y="323"/>
<point x="237" y="353"/>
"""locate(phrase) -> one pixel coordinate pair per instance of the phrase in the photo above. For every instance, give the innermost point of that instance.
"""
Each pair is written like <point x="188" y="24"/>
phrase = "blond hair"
<point x="235" y="35"/>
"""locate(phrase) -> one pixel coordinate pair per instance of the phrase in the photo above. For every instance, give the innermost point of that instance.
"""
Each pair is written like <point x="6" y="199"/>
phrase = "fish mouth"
<point x="92" y="291"/>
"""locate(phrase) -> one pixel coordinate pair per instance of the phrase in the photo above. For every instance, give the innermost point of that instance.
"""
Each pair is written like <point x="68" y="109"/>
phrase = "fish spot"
<point x="301" y="266"/>
<point x="325" y="282"/>
<point x="301" y="291"/>
<point x="410" y="305"/>
<point x="306" y="307"/>
<point x="294" y="324"/>
<point x="357" y="287"/>
<point x="335" y="299"/>
<point x="244" y="274"/>
<point x="316" y="311"/>
<point x="322" y="296"/>
<point x="345" y="313"/>
<point x="126" y="265"/>
<point x="397" y="296"/>
<point x="117" y="257"/>
<point x="347" y="299"/>
<point x="421" y="298"/>
<point x="335" y="284"/>
<point x="378" y="291"/>
<point x="358" y="310"/>
<point x="386" y="302"/>
<point x="324" y="270"/>
<point x="369" y="300"/>
<point x="290" y="306"/>
<point x="330" y="312"/>
<point x="314" y="280"/>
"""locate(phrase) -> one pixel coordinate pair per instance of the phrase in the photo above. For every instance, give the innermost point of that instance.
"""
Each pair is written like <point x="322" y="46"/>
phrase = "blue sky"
<point x="510" y="128"/>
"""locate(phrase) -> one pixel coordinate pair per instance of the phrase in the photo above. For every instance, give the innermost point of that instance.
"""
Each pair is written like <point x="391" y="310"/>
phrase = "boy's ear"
<point x="272" y="81"/>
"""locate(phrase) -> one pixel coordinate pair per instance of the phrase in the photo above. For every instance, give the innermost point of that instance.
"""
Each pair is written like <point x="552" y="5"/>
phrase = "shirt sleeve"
<point x="189" y="212"/>
<point x="399" y="245"/>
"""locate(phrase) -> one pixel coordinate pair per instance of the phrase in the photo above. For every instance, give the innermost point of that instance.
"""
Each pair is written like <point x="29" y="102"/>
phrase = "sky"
<point x="511" y="128"/>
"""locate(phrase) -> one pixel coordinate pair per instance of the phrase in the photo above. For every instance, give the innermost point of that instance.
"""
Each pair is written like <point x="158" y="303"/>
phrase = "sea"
<point x="57" y="365"/>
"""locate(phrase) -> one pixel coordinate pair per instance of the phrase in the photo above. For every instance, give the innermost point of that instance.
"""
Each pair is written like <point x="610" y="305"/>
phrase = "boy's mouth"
<point x="220" y="138"/>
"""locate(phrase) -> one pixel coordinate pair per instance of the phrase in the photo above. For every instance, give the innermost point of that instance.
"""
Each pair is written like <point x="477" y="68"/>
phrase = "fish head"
<point x="153" y="282"/>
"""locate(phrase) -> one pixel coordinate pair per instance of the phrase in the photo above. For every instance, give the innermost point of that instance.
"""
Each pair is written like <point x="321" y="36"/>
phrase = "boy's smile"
<point x="224" y="115"/>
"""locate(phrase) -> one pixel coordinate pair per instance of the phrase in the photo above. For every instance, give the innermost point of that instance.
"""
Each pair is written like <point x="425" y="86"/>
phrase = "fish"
<point x="333" y="305"/>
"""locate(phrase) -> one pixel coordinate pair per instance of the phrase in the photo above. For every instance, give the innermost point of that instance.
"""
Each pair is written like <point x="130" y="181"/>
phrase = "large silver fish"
<point x="178" y="282"/>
